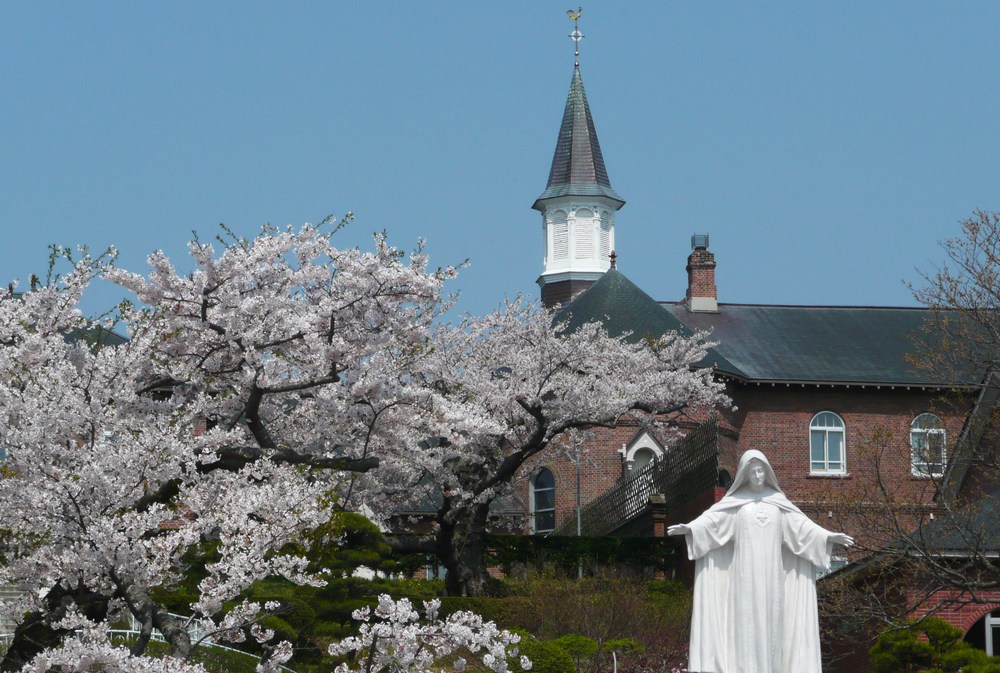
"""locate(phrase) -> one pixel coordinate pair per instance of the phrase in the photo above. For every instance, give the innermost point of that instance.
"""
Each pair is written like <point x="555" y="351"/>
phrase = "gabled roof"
<point x="578" y="165"/>
<point x="820" y="344"/>
<point x="623" y="308"/>
<point x="826" y="345"/>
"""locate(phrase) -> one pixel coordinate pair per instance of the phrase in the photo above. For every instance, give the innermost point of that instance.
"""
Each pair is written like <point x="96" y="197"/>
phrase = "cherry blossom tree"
<point x="392" y="639"/>
<point x="511" y="385"/>
<point x="281" y="379"/>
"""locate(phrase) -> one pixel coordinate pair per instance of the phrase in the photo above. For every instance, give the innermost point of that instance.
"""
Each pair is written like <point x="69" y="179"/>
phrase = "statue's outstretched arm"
<point x="841" y="538"/>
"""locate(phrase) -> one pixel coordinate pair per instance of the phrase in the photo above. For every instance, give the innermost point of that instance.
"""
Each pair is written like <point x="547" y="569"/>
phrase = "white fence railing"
<point x="196" y="629"/>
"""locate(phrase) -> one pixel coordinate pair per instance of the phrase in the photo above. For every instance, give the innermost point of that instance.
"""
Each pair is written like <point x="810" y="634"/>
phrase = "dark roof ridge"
<point x="817" y="306"/>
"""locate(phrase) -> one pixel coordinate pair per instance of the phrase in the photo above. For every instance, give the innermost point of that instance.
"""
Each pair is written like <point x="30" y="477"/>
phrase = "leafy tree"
<point x="930" y="543"/>
<point x="513" y="386"/>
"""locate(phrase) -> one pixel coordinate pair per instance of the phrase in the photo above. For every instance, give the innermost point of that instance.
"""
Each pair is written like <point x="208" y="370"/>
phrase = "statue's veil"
<point x="742" y="478"/>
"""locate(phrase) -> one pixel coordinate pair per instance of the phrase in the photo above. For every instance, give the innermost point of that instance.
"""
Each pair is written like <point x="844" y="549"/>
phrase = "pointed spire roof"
<point x="578" y="165"/>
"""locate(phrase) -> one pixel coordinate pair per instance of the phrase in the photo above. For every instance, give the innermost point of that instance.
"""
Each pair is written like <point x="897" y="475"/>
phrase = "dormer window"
<point x="640" y="452"/>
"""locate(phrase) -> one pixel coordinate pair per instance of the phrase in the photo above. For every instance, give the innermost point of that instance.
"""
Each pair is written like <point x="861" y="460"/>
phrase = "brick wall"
<point x="956" y="609"/>
<point x="775" y="420"/>
<point x="600" y="468"/>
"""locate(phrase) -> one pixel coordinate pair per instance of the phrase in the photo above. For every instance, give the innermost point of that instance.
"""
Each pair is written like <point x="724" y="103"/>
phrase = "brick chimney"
<point x="702" y="296"/>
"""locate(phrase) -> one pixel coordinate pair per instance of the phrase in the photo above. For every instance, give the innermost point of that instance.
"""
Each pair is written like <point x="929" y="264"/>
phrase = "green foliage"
<point x="581" y="648"/>
<point x="312" y="617"/>
<point x="644" y="622"/>
<point x="623" y="646"/>
<point x="929" y="645"/>
<point x="215" y="659"/>
<point x="506" y="611"/>
<point x="546" y="657"/>
<point x="565" y="552"/>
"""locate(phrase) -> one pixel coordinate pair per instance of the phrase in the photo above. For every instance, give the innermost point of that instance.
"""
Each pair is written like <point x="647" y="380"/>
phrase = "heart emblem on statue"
<point x="761" y="517"/>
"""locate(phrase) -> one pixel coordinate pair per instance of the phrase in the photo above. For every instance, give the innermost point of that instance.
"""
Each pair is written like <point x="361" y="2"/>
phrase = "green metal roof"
<point x="578" y="165"/>
<point x="623" y="308"/>
<point x="846" y="345"/>
<point x="820" y="344"/>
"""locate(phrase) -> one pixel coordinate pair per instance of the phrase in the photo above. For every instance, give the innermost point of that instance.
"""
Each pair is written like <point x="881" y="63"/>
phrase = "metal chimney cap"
<point x="699" y="241"/>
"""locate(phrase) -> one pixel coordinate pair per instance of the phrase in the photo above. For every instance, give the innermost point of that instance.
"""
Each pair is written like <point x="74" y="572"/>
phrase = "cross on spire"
<point x="576" y="35"/>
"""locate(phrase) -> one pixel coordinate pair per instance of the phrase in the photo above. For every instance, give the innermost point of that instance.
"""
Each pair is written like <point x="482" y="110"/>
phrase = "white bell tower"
<point x="578" y="205"/>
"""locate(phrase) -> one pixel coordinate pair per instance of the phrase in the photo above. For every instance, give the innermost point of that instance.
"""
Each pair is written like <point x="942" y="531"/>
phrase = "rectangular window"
<point x="560" y="240"/>
<point x="835" y="453"/>
<point x="545" y="521"/>
<point x="928" y="453"/>
<point x="817" y="451"/>
<point x="584" y="239"/>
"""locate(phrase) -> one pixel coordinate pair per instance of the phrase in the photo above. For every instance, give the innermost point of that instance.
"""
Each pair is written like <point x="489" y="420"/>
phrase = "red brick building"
<point x="835" y="396"/>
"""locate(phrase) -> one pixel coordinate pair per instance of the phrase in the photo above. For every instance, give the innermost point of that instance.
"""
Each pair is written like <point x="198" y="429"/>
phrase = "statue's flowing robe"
<point x="755" y="586"/>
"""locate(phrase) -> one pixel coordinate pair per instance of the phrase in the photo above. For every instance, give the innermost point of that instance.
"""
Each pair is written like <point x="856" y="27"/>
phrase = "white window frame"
<point x="918" y="467"/>
<point x="827" y="430"/>
<point x="991" y="620"/>
<point x="534" y="509"/>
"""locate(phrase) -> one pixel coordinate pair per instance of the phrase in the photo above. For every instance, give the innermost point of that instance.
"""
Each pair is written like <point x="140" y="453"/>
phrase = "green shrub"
<point x="581" y="648"/>
<point x="546" y="657"/>
<point x="623" y="646"/>
<point x="930" y="645"/>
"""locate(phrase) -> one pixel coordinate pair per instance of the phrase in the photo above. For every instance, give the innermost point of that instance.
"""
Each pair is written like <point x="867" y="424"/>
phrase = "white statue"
<point x="755" y="557"/>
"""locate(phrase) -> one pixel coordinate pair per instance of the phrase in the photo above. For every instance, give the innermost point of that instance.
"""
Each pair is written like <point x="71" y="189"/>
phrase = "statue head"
<point x="754" y="475"/>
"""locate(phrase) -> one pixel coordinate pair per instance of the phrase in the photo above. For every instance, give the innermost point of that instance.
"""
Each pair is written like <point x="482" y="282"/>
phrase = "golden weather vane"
<point x="576" y="35"/>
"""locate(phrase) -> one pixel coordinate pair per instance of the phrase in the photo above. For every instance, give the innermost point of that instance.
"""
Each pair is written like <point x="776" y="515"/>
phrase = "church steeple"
<point x="577" y="165"/>
<point x="578" y="205"/>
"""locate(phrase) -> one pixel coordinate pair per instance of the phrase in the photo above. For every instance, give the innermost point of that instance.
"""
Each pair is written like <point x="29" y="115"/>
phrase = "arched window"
<point x="927" y="442"/>
<point x="641" y="458"/>
<point x="827" y="450"/>
<point x="985" y="633"/>
<point x="543" y="502"/>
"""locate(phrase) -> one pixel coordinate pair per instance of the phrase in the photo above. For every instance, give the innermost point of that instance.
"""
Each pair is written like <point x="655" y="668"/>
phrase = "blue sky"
<point x="826" y="147"/>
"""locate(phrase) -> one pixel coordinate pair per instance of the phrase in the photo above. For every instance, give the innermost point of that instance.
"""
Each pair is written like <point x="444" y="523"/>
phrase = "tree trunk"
<point x="461" y="544"/>
<point x="150" y="615"/>
<point x="36" y="633"/>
